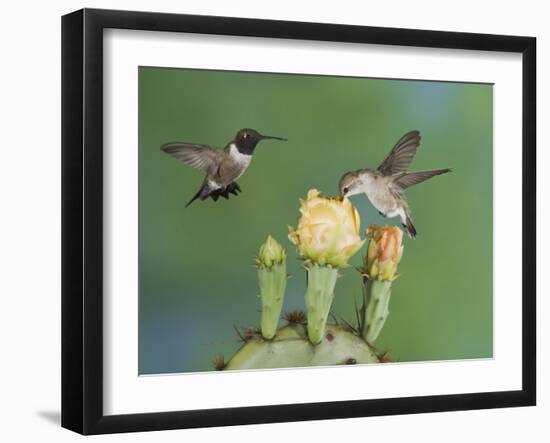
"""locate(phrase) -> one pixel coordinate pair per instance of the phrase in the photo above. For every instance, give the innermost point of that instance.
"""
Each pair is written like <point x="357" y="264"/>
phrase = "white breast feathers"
<point x="238" y="157"/>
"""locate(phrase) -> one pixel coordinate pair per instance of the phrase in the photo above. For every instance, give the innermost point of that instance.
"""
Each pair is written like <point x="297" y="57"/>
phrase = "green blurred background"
<point x="196" y="276"/>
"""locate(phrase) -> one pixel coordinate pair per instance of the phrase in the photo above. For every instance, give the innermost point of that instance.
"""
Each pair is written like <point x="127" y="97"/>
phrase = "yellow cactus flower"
<point x="384" y="252"/>
<point x="271" y="253"/>
<point x="328" y="230"/>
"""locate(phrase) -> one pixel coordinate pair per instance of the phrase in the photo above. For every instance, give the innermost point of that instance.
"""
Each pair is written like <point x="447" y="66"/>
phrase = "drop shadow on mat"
<point x="53" y="417"/>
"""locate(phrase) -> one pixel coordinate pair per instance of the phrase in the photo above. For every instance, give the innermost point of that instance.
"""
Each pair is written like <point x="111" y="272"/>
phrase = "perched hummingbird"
<point x="385" y="186"/>
<point x="223" y="167"/>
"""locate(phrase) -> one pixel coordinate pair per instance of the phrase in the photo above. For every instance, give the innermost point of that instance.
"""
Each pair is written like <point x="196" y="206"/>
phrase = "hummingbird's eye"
<point x="245" y="135"/>
<point x="346" y="190"/>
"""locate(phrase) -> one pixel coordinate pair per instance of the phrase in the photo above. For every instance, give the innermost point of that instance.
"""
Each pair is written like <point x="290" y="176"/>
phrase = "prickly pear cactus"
<point x="326" y="237"/>
<point x="291" y="348"/>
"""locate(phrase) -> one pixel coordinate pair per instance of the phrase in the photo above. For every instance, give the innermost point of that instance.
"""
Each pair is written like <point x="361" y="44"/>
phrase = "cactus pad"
<point x="291" y="348"/>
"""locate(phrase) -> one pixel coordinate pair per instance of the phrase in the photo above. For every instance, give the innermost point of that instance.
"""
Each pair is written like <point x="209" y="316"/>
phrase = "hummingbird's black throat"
<point x="246" y="149"/>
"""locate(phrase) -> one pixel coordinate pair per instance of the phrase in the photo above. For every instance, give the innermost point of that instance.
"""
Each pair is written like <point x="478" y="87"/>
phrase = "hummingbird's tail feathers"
<point x="204" y="192"/>
<point x="197" y="195"/>
<point x="406" y="221"/>
<point x="408" y="225"/>
<point x="408" y="179"/>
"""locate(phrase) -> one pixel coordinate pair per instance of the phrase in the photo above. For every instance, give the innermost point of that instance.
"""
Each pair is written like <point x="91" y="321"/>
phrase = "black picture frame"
<point x="82" y="220"/>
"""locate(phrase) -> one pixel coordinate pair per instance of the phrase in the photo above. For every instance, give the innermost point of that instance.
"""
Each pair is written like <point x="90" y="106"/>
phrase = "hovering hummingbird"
<point x="223" y="167"/>
<point x="385" y="186"/>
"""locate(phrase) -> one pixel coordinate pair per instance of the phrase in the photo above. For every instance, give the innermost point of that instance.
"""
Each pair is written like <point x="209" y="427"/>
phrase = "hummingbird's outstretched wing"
<point x="401" y="156"/>
<point x="406" y="180"/>
<point x="201" y="157"/>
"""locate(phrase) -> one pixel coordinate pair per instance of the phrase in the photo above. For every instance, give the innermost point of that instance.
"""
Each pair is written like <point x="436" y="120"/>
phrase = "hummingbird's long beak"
<point x="270" y="137"/>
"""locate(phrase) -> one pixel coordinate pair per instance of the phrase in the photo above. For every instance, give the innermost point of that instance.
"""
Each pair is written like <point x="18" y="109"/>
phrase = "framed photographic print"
<point x="270" y="221"/>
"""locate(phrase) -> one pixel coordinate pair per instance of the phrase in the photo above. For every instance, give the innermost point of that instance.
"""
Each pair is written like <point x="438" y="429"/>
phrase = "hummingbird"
<point x="223" y="167"/>
<point x="385" y="186"/>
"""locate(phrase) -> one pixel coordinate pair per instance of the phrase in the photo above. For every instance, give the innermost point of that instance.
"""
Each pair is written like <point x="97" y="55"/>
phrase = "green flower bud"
<point x="271" y="253"/>
<point x="272" y="278"/>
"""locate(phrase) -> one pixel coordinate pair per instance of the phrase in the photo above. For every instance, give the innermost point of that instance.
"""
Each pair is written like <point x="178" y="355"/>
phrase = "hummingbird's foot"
<point x="233" y="188"/>
<point x="382" y="214"/>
